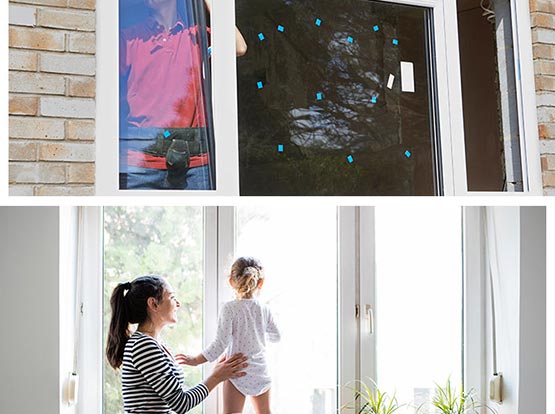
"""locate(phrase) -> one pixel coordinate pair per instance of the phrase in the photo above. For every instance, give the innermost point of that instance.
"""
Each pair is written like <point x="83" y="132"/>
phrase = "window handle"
<point x="369" y="313"/>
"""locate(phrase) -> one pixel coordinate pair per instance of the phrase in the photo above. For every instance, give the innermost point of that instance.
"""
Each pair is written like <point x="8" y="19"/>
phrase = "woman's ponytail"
<point x="118" y="333"/>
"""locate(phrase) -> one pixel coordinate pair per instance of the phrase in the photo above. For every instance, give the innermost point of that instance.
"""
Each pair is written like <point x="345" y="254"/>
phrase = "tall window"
<point x="166" y="134"/>
<point x="337" y="98"/>
<point x="167" y="241"/>
<point x="418" y="301"/>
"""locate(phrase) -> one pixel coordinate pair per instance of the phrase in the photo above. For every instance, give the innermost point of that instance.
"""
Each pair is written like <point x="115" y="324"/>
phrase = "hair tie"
<point x="126" y="286"/>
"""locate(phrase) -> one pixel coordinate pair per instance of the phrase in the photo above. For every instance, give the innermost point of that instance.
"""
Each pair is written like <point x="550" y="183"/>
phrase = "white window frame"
<point x="224" y="73"/>
<point x="219" y="244"/>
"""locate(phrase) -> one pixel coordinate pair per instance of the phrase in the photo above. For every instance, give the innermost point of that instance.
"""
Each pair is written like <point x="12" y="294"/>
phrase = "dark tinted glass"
<point x="166" y="134"/>
<point x="318" y="114"/>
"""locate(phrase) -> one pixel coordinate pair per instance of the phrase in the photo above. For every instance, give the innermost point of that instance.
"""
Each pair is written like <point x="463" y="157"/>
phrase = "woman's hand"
<point x="190" y="360"/>
<point x="225" y="369"/>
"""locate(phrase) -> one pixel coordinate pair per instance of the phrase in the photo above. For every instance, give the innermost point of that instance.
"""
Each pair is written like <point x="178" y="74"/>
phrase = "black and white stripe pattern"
<point x="152" y="381"/>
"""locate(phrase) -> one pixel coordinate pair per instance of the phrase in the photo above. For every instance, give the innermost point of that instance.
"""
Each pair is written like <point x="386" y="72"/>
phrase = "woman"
<point x="152" y="381"/>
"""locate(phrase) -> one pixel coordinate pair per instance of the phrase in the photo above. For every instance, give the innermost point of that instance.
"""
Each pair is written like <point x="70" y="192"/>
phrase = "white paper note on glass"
<point x="407" y="76"/>
<point x="390" y="81"/>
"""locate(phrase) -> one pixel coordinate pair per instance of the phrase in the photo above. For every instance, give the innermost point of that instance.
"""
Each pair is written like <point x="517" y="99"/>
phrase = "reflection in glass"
<point x="165" y="241"/>
<point x="321" y="107"/>
<point x="418" y="302"/>
<point x="297" y="248"/>
<point x="166" y="134"/>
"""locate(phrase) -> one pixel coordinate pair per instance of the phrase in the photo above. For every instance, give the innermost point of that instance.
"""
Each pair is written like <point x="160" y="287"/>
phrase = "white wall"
<point x="520" y="308"/>
<point x="29" y="316"/>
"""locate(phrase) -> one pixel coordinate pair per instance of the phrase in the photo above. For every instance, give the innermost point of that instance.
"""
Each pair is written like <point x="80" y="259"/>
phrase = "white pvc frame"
<point x="449" y="99"/>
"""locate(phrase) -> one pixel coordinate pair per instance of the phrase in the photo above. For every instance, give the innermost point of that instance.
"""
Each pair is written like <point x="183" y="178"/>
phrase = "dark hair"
<point x="129" y="305"/>
<point x="246" y="272"/>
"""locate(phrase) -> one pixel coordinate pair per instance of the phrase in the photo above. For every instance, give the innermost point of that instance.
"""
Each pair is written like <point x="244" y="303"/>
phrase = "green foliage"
<point x="166" y="241"/>
<point x="374" y="401"/>
<point x="447" y="400"/>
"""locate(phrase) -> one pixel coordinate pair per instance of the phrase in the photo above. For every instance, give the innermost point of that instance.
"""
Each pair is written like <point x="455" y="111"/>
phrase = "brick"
<point x="65" y="190"/>
<point x="80" y="173"/>
<point x="57" y="3"/>
<point x="545" y="99"/>
<point x="82" y="42"/>
<point x="547" y="6"/>
<point x="82" y="86"/>
<point x="80" y="130"/>
<point x="37" y="173"/>
<point x="23" y="151"/>
<point x="21" y="190"/>
<point x="544" y="67"/>
<point x="66" y="152"/>
<point x="67" y="19"/>
<point x="23" y="60"/>
<point x="548" y="162"/>
<point x="82" y="4"/>
<point x="70" y="63"/>
<point x="36" y="128"/>
<point x="67" y="107"/>
<point x="545" y="83"/>
<point x="22" y="15"/>
<point x="546" y="114"/>
<point x="42" y="39"/>
<point x="547" y="146"/>
<point x="546" y="131"/>
<point x="549" y="178"/>
<point x="549" y="192"/>
<point x="27" y="82"/>
<point x="543" y="20"/>
<point x="23" y="105"/>
<point x="544" y="51"/>
<point x="541" y="35"/>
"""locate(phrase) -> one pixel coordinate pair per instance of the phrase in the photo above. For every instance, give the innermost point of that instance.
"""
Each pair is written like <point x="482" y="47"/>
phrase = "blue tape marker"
<point x="350" y="39"/>
<point x="408" y="153"/>
<point x="319" y="96"/>
<point x="395" y="42"/>
<point x="318" y="22"/>
<point x="259" y="84"/>
<point x="280" y="28"/>
<point x="374" y="99"/>
<point x="376" y="28"/>
<point x="166" y="134"/>
<point x="350" y="159"/>
<point x="209" y="50"/>
<point x="280" y="148"/>
<point x="261" y="36"/>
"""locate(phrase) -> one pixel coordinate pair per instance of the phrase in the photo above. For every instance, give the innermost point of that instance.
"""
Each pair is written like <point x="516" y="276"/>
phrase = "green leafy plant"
<point x="448" y="400"/>
<point x="373" y="400"/>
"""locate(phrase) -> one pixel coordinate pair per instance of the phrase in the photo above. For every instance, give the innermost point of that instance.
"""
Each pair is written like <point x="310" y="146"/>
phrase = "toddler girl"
<point x="242" y="327"/>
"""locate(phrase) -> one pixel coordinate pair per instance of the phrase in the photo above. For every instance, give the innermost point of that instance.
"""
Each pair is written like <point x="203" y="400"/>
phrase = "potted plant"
<point x="374" y="401"/>
<point x="447" y="400"/>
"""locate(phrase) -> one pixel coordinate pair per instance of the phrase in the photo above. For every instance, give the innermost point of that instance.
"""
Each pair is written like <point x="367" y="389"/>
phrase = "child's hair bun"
<point x="246" y="272"/>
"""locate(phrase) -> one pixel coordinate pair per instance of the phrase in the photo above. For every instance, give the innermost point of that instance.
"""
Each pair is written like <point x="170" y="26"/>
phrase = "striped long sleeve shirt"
<point x="152" y="381"/>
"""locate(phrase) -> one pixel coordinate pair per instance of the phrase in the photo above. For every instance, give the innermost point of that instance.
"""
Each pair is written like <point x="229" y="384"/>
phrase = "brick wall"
<point x="52" y="97"/>
<point x="543" y="38"/>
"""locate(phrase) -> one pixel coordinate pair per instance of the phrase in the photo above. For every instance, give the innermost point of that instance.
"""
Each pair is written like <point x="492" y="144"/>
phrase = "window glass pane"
<point x="336" y="98"/>
<point x="489" y="91"/>
<point x="166" y="133"/>
<point x="298" y="249"/>
<point x="418" y="301"/>
<point x="156" y="240"/>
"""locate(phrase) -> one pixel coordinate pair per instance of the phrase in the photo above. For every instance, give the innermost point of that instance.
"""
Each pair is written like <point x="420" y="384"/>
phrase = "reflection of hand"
<point x="187" y="360"/>
<point x="208" y="5"/>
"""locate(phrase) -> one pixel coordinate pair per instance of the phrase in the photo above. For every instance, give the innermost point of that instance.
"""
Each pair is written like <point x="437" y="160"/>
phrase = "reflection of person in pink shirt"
<point x="161" y="82"/>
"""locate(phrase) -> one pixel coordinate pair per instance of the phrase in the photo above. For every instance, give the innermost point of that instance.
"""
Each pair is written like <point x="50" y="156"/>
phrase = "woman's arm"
<point x="151" y="361"/>
<point x="240" y="44"/>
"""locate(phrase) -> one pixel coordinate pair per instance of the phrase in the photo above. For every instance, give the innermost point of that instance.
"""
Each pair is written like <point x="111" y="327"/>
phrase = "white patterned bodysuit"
<point x="243" y="327"/>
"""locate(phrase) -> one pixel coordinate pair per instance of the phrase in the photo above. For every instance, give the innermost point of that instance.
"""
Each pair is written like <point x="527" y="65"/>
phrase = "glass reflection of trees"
<point x="319" y="134"/>
<point x="153" y="240"/>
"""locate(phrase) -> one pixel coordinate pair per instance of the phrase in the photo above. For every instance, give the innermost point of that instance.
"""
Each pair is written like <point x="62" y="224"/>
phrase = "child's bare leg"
<point x="234" y="401"/>
<point x="261" y="403"/>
